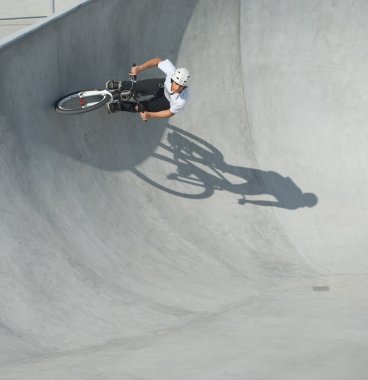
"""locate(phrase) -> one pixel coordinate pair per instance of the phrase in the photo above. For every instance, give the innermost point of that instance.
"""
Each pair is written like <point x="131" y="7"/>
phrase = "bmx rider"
<point x="170" y="93"/>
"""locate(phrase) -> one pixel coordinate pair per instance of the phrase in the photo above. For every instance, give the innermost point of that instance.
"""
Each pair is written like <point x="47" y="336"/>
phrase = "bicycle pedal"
<point x="126" y="95"/>
<point x="116" y="94"/>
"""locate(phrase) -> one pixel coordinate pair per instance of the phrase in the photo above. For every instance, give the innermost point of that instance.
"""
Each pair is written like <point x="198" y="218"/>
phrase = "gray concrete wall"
<point x="17" y="16"/>
<point x="181" y="249"/>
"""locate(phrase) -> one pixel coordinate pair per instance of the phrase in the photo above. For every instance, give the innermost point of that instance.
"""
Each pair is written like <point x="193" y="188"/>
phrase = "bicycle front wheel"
<point x="82" y="101"/>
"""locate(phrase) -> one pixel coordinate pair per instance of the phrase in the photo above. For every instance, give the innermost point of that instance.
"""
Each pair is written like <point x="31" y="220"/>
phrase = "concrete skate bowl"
<point x="228" y="242"/>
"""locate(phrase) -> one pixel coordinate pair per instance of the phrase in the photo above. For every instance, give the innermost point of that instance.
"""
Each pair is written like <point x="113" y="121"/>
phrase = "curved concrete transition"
<point x="227" y="243"/>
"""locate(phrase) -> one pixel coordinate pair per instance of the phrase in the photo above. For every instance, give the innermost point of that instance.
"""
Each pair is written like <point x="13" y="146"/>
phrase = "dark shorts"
<point x="153" y="87"/>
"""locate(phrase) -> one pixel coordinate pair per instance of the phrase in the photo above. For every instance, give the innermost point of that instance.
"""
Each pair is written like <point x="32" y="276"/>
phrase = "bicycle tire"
<point x="81" y="102"/>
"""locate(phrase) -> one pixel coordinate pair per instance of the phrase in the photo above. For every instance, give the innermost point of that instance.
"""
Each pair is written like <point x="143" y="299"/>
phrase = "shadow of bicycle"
<point x="196" y="169"/>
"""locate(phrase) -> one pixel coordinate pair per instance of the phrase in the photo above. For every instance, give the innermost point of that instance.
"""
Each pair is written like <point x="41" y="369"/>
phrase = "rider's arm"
<point x="147" y="65"/>
<point x="157" y="115"/>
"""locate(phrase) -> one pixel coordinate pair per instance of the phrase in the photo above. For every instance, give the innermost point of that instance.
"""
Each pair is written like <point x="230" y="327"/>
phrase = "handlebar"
<point x="134" y="77"/>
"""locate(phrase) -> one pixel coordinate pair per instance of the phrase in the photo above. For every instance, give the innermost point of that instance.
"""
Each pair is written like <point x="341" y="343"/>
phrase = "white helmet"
<point x="181" y="76"/>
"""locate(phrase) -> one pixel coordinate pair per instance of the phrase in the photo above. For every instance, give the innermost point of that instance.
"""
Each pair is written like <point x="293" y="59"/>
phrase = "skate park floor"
<point x="228" y="242"/>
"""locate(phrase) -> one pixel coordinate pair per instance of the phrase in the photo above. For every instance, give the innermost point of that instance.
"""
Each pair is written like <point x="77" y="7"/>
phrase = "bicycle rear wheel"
<point x="82" y="101"/>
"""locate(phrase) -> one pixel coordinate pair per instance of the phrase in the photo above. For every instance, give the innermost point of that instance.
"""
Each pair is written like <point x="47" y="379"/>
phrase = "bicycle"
<point x="88" y="100"/>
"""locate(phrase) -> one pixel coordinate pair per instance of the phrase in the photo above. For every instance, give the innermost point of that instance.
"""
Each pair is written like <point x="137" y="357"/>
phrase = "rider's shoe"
<point x="113" y="107"/>
<point x="113" y="85"/>
<point x="115" y="94"/>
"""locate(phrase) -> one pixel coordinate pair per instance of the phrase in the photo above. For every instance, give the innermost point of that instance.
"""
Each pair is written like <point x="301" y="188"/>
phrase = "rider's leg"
<point x="145" y="87"/>
<point x="158" y="103"/>
<point x="149" y="86"/>
<point x="117" y="105"/>
<point x="155" y="105"/>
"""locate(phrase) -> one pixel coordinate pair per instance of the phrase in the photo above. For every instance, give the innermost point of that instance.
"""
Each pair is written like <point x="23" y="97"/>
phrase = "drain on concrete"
<point x="321" y="288"/>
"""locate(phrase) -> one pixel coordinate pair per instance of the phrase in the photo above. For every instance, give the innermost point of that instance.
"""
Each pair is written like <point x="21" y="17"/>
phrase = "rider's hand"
<point x="145" y="115"/>
<point x="135" y="70"/>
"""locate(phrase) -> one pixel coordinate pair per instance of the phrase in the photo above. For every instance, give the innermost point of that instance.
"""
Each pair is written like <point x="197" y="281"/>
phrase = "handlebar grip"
<point x="134" y="76"/>
<point x="142" y="108"/>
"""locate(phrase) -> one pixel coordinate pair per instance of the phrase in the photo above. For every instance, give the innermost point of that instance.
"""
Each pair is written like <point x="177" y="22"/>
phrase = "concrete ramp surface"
<point x="227" y="243"/>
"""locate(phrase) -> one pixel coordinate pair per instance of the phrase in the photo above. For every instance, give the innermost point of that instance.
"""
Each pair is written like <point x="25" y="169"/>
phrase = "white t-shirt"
<point x="177" y="101"/>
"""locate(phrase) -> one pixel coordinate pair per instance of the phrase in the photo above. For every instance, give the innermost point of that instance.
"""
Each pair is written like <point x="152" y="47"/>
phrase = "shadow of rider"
<point x="203" y="165"/>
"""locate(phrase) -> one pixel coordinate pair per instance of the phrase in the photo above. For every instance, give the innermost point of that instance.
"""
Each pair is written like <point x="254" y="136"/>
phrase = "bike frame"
<point x="94" y="93"/>
<point x="88" y="100"/>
